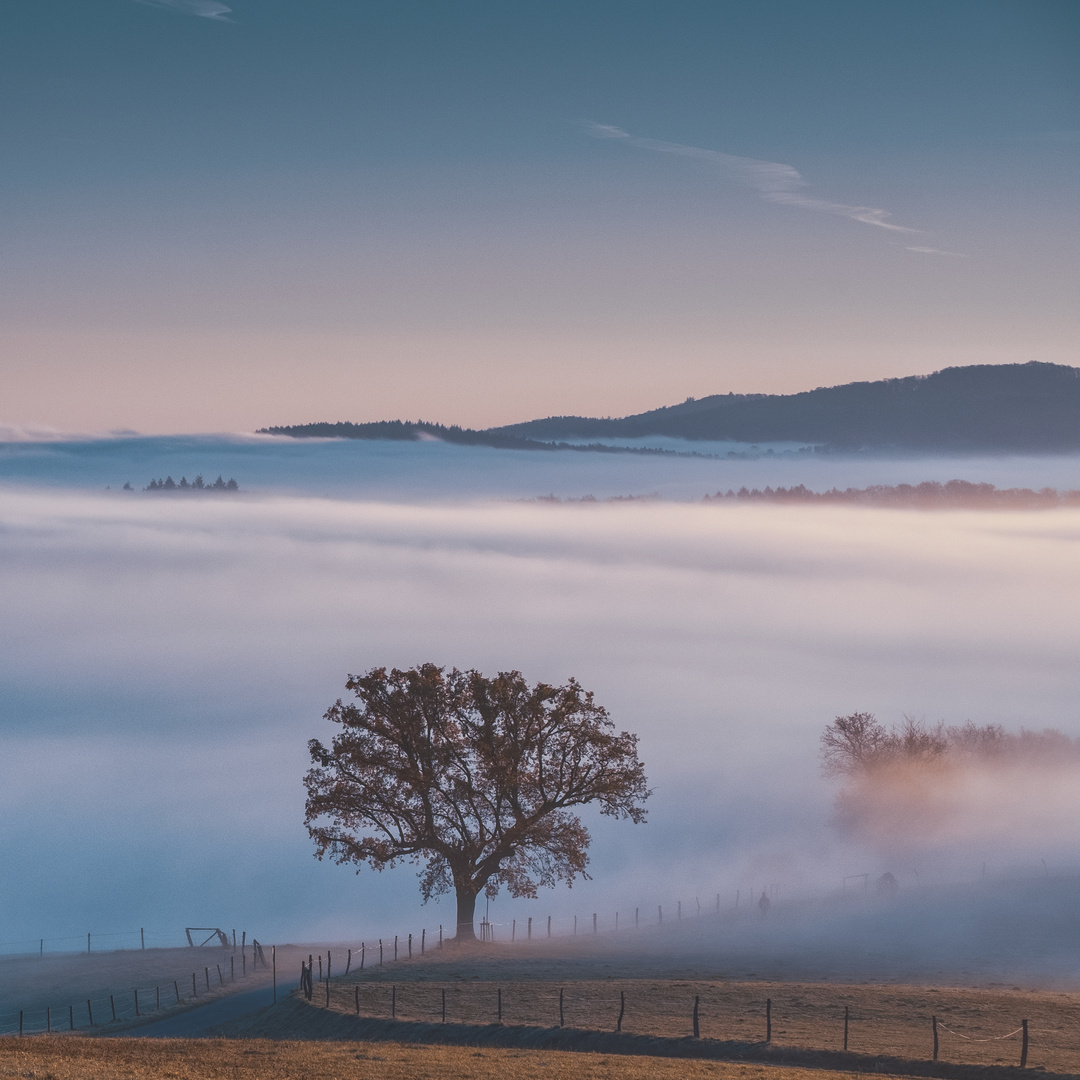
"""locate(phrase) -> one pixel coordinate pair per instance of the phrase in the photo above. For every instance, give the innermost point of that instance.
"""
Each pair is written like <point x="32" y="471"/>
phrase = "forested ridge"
<point x="982" y="407"/>
<point x="1033" y="407"/>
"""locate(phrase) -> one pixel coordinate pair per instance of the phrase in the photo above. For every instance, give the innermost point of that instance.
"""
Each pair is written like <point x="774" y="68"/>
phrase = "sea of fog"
<point x="164" y="660"/>
<point x="434" y="471"/>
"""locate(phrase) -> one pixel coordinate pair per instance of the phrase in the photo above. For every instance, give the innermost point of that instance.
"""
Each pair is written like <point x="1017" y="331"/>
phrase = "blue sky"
<point x="218" y="216"/>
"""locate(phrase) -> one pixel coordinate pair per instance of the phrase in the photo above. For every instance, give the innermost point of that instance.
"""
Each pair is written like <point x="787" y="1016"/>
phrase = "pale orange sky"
<point x="482" y="214"/>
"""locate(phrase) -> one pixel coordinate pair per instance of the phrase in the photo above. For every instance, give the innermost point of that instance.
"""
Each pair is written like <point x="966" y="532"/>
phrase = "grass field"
<point x="75" y="1058"/>
<point x="888" y="1023"/>
<point x="882" y="1020"/>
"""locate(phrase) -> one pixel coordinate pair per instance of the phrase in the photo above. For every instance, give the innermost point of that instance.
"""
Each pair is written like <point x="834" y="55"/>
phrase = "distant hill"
<point x="984" y="407"/>
<point x="419" y="430"/>
<point x="406" y="431"/>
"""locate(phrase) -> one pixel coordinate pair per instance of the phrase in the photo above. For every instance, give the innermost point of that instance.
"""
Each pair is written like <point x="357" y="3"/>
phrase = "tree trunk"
<point x="466" y="907"/>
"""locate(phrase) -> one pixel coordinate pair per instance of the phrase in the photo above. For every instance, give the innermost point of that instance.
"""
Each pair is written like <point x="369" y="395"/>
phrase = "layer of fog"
<point x="434" y="471"/>
<point x="163" y="663"/>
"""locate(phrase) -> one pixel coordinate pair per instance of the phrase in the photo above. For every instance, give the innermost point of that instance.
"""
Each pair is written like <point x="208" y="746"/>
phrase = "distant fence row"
<point x="95" y="941"/>
<point x="121" y="1005"/>
<point x="664" y="1009"/>
<point x="150" y="938"/>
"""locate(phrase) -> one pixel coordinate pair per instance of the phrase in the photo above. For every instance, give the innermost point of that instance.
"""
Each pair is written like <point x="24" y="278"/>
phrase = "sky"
<point x="218" y="216"/>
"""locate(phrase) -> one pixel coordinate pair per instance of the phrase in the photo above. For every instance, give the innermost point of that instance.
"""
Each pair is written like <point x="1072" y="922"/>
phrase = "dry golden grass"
<point x="883" y="1020"/>
<point x="76" y="1058"/>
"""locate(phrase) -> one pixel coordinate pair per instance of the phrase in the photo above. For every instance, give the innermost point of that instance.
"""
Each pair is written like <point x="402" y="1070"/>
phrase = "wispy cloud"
<point x="774" y="181"/>
<point x="206" y="9"/>
<point x="935" y="251"/>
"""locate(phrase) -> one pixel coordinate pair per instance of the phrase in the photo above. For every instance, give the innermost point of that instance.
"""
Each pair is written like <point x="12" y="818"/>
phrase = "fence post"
<point x="142" y="937"/>
<point x="933" y="1024"/>
<point x="410" y="946"/>
<point x="89" y="1012"/>
<point x="137" y="1013"/>
<point x="1024" y="1045"/>
<point x="594" y="922"/>
<point x="440" y="935"/>
<point x="549" y="926"/>
<point x="176" y="988"/>
<point x="87" y="944"/>
<point x="380" y="953"/>
<point x="71" y="1017"/>
<point x="423" y="939"/>
<point x="697" y="1028"/>
<point x="513" y="931"/>
<point x="221" y="981"/>
<point x="363" y="950"/>
<point x="20" y="1021"/>
<point x="348" y="961"/>
<point x="622" y="1010"/>
<point x="112" y="1005"/>
<point x="768" y="1020"/>
<point x="529" y="930"/>
<point x="206" y="975"/>
<point x="575" y="926"/>
<point x="395" y="946"/>
<point x="845" y="1026"/>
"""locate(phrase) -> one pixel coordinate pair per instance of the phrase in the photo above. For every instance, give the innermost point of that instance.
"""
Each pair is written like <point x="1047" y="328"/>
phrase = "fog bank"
<point x="163" y="664"/>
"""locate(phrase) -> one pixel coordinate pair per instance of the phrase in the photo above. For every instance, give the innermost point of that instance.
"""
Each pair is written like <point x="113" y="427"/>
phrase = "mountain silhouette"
<point x="1002" y="408"/>
<point x="982" y="407"/>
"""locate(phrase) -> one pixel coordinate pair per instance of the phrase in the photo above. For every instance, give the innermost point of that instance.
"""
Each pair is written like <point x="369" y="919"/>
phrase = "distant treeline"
<point x="421" y="430"/>
<point x="403" y="431"/>
<point x="198" y="484"/>
<point x="929" y="495"/>
<point x="859" y="745"/>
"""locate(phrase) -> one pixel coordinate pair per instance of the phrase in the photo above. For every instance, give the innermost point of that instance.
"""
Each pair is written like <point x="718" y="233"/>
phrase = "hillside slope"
<point x="984" y="407"/>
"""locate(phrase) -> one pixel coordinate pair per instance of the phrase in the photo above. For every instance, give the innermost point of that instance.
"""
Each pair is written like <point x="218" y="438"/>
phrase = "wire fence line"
<point x="669" y="1011"/>
<point x="99" y="1010"/>
<point x="97" y="941"/>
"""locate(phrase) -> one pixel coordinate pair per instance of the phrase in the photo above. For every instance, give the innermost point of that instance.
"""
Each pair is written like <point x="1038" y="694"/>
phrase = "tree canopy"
<point x="474" y="778"/>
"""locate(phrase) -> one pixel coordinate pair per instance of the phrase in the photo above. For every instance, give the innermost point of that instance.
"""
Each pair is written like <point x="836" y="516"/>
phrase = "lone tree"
<point x="473" y="777"/>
